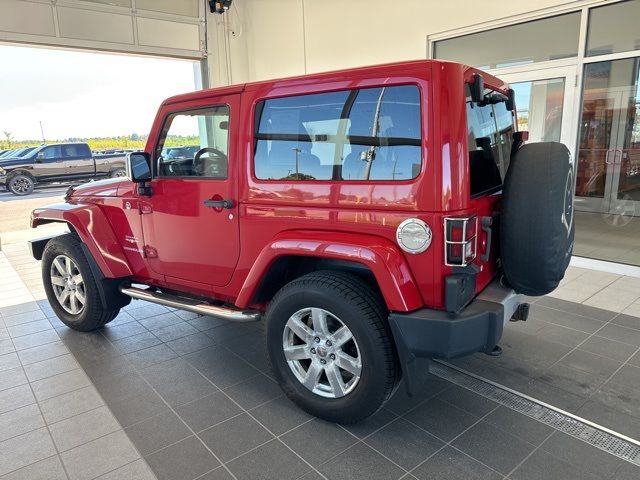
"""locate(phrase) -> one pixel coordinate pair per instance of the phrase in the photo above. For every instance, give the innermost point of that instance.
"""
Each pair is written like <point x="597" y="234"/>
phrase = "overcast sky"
<point x="80" y="94"/>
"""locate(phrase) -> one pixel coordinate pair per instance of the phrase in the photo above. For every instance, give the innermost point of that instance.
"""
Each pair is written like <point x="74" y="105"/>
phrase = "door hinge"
<point x="150" y="252"/>
<point x="145" y="208"/>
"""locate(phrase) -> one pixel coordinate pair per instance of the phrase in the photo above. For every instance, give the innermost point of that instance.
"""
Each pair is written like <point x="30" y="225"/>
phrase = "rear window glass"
<point x="365" y="134"/>
<point x="489" y="135"/>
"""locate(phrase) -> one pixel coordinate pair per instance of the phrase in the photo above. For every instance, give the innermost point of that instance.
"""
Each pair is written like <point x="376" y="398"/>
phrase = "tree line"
<point x="133" y="141"/>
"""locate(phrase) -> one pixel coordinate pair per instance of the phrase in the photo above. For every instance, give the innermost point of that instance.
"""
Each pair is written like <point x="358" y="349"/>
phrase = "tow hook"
<point x="521" y="313"/>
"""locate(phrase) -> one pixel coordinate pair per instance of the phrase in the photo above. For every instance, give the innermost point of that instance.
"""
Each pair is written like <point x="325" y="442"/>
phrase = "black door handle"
<point x="219" y="204"/>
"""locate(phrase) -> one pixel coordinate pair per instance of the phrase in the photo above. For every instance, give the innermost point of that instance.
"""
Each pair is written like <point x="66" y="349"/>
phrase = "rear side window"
<point x="75" y="151"/>
<point x="489" y="135"/>
<point x="365" y="134"/>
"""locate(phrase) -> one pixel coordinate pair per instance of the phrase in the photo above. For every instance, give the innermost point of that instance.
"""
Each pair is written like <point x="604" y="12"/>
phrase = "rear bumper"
<point x="438" y="334"/>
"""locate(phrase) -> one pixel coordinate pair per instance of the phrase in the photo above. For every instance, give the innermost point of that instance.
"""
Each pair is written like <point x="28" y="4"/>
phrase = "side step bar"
<point x="196" y="306"/>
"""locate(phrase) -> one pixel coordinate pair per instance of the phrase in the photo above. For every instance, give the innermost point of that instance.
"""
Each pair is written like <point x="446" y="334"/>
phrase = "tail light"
<point x="460" y="240"/>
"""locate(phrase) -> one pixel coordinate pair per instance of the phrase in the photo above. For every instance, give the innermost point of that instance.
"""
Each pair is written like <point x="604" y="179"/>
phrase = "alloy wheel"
<point x="322" y="352"/>
<point x="68" y="284"/>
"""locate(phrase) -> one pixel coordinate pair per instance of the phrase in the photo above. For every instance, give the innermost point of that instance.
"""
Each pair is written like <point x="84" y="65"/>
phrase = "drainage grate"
<point x="591" y="433"/>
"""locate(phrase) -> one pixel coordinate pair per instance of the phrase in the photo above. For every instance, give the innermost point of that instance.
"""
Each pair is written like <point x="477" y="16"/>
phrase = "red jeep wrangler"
<point x="369" y="216"/>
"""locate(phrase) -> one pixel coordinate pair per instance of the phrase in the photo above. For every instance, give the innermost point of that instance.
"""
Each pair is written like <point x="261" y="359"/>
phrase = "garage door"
<point x="158" y="27"/>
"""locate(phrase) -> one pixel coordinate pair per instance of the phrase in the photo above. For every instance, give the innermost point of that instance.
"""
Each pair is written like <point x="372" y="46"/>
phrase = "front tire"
<point x="330" y="346"/>
<point x="71" y="288"/>
<point x="21" y="184"/>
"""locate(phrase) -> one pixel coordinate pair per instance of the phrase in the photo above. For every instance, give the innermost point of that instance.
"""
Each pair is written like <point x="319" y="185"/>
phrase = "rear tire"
<point x="71" y="288"/>
<point x="21" y="184"/>
<point x="358" y="376"/>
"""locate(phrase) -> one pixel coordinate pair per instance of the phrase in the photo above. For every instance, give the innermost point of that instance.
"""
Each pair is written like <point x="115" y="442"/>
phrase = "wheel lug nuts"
<point x="323" y="361"/>
<point x="332" y="356"/>
<point x="313" y="351"/>
<point x="328" y="343"/>
<point x="317" y="339"/>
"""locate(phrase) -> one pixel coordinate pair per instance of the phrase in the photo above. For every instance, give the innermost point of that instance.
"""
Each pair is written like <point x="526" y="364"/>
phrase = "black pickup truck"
<point x="58" y="163"/>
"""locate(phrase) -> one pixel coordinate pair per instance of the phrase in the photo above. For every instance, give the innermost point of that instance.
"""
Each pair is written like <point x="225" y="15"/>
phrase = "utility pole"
<point x="42" y="132"/>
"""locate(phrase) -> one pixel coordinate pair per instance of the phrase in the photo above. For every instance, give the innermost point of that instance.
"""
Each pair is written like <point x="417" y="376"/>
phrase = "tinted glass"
<point x="490" y="135"/>
<point x="195" y="144"/>
<point x="614" y="28"/>
<point x="367" y="134"/>
<point x="75" y="151"/>
<point x="537" y="41"/>
<point x="52" y="153"/>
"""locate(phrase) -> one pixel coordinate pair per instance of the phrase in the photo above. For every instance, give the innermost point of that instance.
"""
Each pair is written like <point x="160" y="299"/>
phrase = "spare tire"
<point x="536" y="225"/>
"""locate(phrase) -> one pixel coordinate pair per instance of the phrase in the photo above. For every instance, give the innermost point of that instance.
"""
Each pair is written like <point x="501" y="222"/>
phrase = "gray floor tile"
<point x="178" y="382"/>
<point x="280" y="415"/>
<point x="106" y="453"/>
<point x="17" y="397"/>
<point x="101" y="366"/>
<point x="94" y="342"/>
<point x="59" y="384"/>
<point x="627" y="321"/>
<point x="427" y="386"/>
<point x="122" y="318"/>
<point x="145" y="310"/>
<point x="23" y="450"/>
<point x="178" y="330"/>
<point x="579" y="453"/>
<point x="190" y="343"/>
<point x="441" y="419"/>
<point x="254" y="391"/>
<point x="136" y="408"/>
<point x="29" y="328"/>
<point x="136" y="342"/>
<point x="577" y="308"/>
<point x="6" y="346"/>
<point x="184" y="460"/>
<point x="208" y="411"/>
<point x="47" y="469"/>
<point x="219" y="473"/>
<point x="13" y="377"/>
<point x="635" y="360"/>
<point x="160" y="321"/>
<point x="9" y="361"/>
<point x="123" y="330"/>
<point x="150" y="356"/>
<point x="608" y="348"/>
<point x="575" y="381"/>
<point x="221" y="366"/>
<point x="404" y="443"/>
<point x="83" y="428"/>
<point x="157" y="432"/>
<point x="627" y="471"/>
<point x="590" y="363"/>
<point x="21" y="308"/>
<point x="519" y="425"/>
<point x="50" y="367"/>
<point x="558" y="397"/>
<point x="235" y="437"/>
<point x="19" y="421"/>
<point x="19" y="318"/>
<point x="70" y="404"/>
<point x="467" y="400"/>
<point x="137" y="470"/>
<point x="42" y="352"/>
<point x="370" y="424"/>
<point x="566" y="319"/>
<point x="317" y="441"/>
<point x="543" y="466"/>
<point x="204" y="323"/>
<point x="360" y="462"/>
<point x="272" y="461"/>
<point x="35" y="339"/>
<point x="619" y="334"/>
<point x="493" y="447"/>
<point x="451" y="464"/>
<point x="611" y="416"/>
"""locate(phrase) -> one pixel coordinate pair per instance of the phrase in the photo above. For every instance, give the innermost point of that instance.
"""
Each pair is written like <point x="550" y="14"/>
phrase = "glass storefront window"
<point x="537" y="41"/>
<point x="539" y="104"/>
<point x="614" y="28"/>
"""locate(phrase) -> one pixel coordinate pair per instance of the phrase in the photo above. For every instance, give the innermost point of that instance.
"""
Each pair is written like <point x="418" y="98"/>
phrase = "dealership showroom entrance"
<point x="306" y="239"/>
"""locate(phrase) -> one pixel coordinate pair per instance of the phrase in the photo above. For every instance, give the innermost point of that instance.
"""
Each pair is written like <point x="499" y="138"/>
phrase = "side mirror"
<point x="477" y="89"/>
<point x="138" y="167"/>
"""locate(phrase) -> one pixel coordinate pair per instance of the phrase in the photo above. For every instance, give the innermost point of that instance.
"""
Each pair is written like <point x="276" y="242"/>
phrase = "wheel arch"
<point x="90" y="224"/>
<point x="293" y="254"/>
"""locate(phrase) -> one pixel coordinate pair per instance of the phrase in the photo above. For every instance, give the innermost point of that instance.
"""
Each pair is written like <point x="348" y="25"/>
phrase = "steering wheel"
<point x="209" y="169"/>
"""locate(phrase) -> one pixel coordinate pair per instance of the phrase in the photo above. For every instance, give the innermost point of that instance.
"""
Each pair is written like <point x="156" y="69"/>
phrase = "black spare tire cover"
<point x="536" y="225"/>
